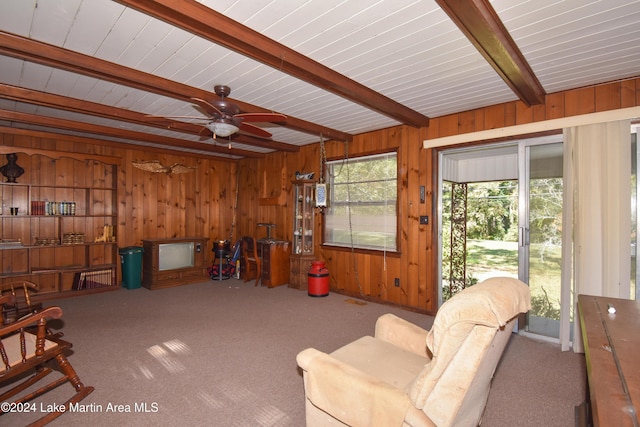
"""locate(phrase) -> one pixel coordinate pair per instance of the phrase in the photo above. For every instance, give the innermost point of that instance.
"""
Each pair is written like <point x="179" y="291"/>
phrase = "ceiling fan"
<point x="224" y="117"/>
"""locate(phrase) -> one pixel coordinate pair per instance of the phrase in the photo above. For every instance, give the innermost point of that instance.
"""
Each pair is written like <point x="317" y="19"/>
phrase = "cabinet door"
<point x="303" y="217"/>
<point x="307" y="238"/>
<point x="266" y="260"/>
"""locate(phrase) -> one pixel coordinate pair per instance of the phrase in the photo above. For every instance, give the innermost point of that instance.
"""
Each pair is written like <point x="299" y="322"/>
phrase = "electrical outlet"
<point x="396" y="282"/>
<point x="424" y="219"/>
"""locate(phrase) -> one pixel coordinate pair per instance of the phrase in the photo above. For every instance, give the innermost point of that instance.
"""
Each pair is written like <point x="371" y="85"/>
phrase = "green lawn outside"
<point x="487" y="258"/>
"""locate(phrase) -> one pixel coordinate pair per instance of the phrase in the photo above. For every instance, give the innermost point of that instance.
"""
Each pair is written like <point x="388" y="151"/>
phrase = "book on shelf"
<point x="93" y="279"/>
<point x="43" y="207"/>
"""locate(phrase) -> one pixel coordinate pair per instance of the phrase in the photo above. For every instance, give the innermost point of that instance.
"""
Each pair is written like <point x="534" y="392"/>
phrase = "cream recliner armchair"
<point x="407" y="376"/>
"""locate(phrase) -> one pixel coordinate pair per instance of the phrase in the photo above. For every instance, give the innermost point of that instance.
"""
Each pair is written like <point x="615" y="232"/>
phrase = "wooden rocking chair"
<point x="25" y="347"/>
<point x="23" y="292"/>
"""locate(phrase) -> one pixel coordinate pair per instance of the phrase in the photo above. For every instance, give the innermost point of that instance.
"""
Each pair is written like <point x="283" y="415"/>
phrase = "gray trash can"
<point x="131" y="260"/>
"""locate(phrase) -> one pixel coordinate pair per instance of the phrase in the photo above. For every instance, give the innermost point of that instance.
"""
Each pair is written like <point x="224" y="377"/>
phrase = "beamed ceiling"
<point x="112" y="70"/>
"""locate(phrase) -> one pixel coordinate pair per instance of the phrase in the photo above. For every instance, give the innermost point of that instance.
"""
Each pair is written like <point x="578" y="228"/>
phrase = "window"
<point x="362" y="202"/>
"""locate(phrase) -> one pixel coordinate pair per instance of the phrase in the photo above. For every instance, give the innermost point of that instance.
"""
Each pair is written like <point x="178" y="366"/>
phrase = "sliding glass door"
<point x="540" y="233"/>
<point x="501" y="214"/>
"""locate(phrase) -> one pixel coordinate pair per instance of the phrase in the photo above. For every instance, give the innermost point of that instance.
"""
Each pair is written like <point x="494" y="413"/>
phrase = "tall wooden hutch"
<point x="61" y="232"/>
<point x="302" y="251"/>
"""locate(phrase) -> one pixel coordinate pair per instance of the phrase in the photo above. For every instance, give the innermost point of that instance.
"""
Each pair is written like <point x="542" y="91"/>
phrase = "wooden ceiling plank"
<point x="481" y="25"/>
<point x="76" y="126"/>
<point x="114" y="113"/>
<point x="42" y="53"/>
<point x="218" y="28"/>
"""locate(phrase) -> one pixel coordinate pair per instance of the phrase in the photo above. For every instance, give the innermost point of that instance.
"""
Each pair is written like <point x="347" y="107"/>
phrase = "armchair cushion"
<point x="382" y="360"/>
<point x="353" y="396"/>
<point x="493" y="304"/>
<point x="464" y="331"/>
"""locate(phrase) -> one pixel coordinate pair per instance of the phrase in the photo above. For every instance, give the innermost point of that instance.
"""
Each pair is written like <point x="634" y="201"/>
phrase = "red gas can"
<point x="318" y="280"/>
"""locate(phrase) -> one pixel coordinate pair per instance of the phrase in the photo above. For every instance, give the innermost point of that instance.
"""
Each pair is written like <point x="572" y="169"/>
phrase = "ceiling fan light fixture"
<point x="222" y="129"/>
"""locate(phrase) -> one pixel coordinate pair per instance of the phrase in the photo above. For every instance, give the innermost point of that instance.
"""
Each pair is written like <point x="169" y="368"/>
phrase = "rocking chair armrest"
<point x="8" y="299"/>
<point x="32" y="319"/>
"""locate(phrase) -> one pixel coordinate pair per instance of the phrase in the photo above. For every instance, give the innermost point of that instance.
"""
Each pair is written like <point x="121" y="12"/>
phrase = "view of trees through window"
<point x="362" y="202"/>
<point x="492" y="237"/>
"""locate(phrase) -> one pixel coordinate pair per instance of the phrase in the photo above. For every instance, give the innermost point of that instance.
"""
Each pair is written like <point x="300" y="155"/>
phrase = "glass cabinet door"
<point x="303" y="217"/>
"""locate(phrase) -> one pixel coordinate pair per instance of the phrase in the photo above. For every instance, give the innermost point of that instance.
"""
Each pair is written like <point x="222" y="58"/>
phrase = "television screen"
<point x="172" y="256"/>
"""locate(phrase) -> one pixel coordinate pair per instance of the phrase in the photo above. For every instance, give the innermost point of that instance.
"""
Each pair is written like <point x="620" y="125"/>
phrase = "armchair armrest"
<point x="353" y="397"/>
<point x="402" y="333"/>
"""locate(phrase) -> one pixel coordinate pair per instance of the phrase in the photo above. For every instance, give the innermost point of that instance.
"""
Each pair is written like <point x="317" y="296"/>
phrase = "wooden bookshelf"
<point x="65" y="223"/>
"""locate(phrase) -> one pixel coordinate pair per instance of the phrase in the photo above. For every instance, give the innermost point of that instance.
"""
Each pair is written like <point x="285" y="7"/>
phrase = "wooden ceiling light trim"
<point x="75" y="126"/>
<point x="46" y="54"/>
<point x="213" y="26"/>
<point x="92" y="108"/>
<point x="482" y="26"/>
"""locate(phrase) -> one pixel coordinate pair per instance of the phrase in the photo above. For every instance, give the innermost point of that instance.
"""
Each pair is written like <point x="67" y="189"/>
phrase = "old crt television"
<point x="174" y="261"/>
<point x="173" y="256"/>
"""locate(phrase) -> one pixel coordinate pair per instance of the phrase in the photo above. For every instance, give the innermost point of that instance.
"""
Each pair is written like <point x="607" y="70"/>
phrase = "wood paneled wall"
<point x="371" y="274"/>
<point x="150" y="205"/>
<point x="266" y="196"/>
<point x="225" y="199"/>
<point x="586" y="100"/>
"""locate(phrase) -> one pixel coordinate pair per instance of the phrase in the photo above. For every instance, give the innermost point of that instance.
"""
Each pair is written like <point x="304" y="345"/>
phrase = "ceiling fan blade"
<point x="158" y="118"/>
<point x="261" y="117"/>
<point x="160" y="121"/>
<point x="207" y="107"/>
<point x="255" y="130"/>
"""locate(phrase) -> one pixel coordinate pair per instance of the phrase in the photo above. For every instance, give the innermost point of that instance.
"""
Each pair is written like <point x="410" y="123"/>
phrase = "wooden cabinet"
<point x="275" y="261"/>
<point x="58" y="225"/>
<point x="173" y="262"/>
<point x="300" y="266"/>
<point x="303" y="232"/>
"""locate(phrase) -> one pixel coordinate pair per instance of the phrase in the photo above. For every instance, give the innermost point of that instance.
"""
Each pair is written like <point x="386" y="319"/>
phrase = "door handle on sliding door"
<point x="523" y="236"/>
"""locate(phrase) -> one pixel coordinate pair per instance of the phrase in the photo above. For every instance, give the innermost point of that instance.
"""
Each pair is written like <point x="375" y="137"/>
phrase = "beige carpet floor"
<point x="223" y="354"/>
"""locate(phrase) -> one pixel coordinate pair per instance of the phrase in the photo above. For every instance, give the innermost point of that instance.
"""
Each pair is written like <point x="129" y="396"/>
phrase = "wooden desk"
<point x="275" y="261"/>
<point x="612" y="350"/>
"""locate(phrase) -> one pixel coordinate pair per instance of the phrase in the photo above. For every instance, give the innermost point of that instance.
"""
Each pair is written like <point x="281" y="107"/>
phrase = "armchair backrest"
<point x="469" y="334"/>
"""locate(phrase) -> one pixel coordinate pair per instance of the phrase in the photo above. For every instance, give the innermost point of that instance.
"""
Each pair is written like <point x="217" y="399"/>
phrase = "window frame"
<point x="328" y="180"/>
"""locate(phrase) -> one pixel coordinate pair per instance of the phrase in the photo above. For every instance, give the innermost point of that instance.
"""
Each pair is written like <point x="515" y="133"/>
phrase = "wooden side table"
<point x="275" y="261"/>
<point x="611" y="341"/>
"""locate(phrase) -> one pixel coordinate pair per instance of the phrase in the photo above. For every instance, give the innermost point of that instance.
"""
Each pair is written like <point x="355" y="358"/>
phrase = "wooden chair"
<point x="25" y="348"/>
<point x="23" y="292"/>
<point x="252" y="261"/>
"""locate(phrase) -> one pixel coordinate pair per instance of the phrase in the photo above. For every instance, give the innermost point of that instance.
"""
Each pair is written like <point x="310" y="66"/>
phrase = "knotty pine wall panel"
<point x="585" y="100"/>
<point x="149" y="205"/>
<point x="364" y="274"/>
